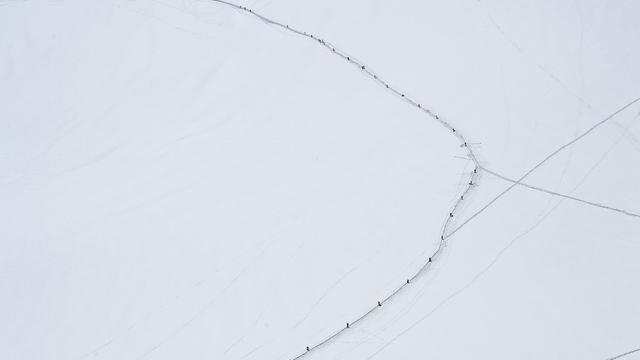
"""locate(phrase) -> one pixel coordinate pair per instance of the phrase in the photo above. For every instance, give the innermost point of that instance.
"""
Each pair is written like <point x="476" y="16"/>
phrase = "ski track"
<point x="472" y="178"/>
<point x="624" y="354"/>
<point x="542" y="162"/>
<point x="529" y="58"/>
<point x="536" y="188"/>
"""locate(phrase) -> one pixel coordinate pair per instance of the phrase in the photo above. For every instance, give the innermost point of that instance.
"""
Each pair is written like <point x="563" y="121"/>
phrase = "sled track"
<point x="472" y="179"/>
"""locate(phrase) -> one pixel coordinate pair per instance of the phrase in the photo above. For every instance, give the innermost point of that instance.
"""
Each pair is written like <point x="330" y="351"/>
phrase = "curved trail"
<point x="473" y="176"/>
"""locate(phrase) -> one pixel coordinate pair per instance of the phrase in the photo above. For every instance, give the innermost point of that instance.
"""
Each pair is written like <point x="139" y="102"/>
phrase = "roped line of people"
<point x="473" y="177"/>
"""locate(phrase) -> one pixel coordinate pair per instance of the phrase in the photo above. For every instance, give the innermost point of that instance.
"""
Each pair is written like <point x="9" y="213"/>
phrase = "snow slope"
<point x="181" y="180"/>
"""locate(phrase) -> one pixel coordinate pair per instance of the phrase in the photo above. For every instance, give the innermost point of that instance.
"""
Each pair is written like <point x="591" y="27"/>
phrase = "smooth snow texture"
<point x="181" y="180"/>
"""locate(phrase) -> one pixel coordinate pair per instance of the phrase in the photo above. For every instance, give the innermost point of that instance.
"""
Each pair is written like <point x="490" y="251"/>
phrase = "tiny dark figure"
<point x="475" y="170"/>
<point x="450" y="214"/>
<point x="379" y="304"/>
<point x="429" y="259"/>
<point x="407" y="281"/>
<point x="387" y="86"/>
<point x="441" y="237"/>
<point x="347" y="325"/>
<point x="362" y="67"/>
<point x="461" y="197"/>
<point x="348" y="58"/>
<point x="307" y="348"/>
<point x="470" y="182"/>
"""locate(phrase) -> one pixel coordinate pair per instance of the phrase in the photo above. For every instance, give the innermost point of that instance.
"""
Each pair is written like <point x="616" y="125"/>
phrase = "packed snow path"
<point x="473" y="176"/>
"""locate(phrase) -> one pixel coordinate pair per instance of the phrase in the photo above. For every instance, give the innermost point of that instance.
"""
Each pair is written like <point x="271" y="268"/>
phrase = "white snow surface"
<point x="180" y="180"/>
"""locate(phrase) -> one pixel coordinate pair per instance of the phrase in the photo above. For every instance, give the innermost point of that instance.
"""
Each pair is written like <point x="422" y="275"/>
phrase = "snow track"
<point x="543" y="161"/>
<point x="554" y="193"/>
<point x="624" y="354"/>
<point x="472" y="179"/>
